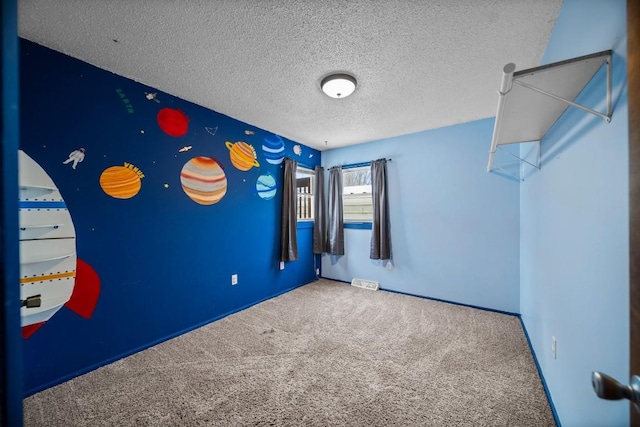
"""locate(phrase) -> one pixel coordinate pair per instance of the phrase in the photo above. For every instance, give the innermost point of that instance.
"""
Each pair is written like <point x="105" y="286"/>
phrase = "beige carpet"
<point x="325" y="354"/>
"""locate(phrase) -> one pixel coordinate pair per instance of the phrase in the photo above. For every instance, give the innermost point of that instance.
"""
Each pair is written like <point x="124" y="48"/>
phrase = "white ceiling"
<point x="419" y="64"/>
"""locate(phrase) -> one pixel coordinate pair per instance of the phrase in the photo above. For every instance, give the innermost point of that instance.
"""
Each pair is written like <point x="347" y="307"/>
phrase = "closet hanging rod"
<point x="524" y="116"/>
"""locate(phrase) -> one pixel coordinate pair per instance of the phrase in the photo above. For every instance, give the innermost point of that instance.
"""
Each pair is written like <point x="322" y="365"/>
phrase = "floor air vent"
<point x="365" y="284"/>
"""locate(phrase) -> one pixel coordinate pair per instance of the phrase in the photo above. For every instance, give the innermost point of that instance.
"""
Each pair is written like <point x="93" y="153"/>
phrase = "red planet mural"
<point x="173" y="122"/>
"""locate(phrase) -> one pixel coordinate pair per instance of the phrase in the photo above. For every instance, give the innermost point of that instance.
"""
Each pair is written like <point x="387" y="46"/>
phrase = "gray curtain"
<point x="335" y="240"/>
<point x="380" y="236"/>
<point x="319" y="213"/>
<point x="289" y="221"/>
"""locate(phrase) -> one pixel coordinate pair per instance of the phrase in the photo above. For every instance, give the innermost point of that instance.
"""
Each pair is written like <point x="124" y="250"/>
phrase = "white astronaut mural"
<point x="76" y="157"/>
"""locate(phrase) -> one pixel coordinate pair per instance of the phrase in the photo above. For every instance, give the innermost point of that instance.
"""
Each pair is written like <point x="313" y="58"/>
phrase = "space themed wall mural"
<point x="136" y="208"/>
<point x="51" y="275"/>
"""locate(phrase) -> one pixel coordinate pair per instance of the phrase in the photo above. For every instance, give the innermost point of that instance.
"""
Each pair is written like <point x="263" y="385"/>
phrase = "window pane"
<point x="357" y="207"/>
<point x="304" y="187"/>
<point x="356" y="176"/>
<point x="356" y="195"/>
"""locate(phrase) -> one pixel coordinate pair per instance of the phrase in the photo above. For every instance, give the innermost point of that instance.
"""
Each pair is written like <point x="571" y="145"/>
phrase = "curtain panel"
<point x="319" y="213"/>
<point x="335" y="240"/>
<point x="380" y="235"/>
<point x="289" y="221"/>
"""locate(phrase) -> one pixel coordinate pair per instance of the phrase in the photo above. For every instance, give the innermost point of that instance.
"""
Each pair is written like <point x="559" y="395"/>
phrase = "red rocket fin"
<point x="85" y="291"/>
<point x="28" y="330"/>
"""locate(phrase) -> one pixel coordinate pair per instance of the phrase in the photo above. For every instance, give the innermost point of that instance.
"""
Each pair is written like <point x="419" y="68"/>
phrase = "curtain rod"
<point x="301" y="164"/>
<point x="358" y="165"/>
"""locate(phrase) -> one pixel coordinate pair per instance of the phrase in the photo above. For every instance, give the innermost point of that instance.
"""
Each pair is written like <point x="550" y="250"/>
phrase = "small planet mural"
<point x="273" y="149"/>
<point x="266" y="186"/>
<point x="242" y="155"/>
<point x="203" y="180"/>
<point x="121" y="182"/>
<point x="173" y="122"/>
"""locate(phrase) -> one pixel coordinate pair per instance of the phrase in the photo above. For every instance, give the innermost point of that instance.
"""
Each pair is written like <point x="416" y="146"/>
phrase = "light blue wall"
<point x="574" y="229"/>
<point x="454" y="227"/>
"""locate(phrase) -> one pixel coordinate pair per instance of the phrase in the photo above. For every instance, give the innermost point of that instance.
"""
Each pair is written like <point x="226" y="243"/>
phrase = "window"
<point x="304" y="189"/>
<point x="356" y="194"/>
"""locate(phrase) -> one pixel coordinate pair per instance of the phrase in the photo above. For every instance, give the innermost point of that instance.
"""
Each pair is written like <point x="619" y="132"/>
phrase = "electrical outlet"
<point x="281" y="265"/>
<point x="553" y="346"/>
<point x="317" y="271"/>
<point x="234" y="279"/>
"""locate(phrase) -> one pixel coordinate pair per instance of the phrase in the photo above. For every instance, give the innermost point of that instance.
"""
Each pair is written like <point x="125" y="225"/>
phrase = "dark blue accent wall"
<point x="164" y="261"/>
<point x="10" y="346"/>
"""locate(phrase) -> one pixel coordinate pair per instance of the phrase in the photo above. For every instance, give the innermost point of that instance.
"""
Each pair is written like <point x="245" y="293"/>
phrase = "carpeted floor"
<point x="325" y="354"/>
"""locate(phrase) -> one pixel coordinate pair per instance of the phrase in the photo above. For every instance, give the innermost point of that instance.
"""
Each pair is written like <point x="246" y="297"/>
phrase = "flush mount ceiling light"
<point x="338" y="85"/>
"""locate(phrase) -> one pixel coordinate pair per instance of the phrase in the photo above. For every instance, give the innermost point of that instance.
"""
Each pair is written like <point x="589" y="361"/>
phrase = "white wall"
<point x="454" y="227"/>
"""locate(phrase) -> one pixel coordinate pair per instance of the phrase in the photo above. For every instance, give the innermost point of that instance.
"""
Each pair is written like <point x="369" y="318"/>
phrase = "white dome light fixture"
<point x="338" y="85"/>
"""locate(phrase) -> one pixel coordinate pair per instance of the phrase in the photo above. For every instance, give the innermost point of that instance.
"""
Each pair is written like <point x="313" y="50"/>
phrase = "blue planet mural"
<point x="266" y="186"/>
<point x="273" y="149"/>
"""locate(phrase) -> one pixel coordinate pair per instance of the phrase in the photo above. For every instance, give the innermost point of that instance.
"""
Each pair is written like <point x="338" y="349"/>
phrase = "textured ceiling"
<point x="419" y="64"/>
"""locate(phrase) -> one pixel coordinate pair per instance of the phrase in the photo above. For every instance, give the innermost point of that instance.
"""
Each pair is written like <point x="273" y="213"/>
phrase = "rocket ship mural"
<point x="51" y="274"/>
